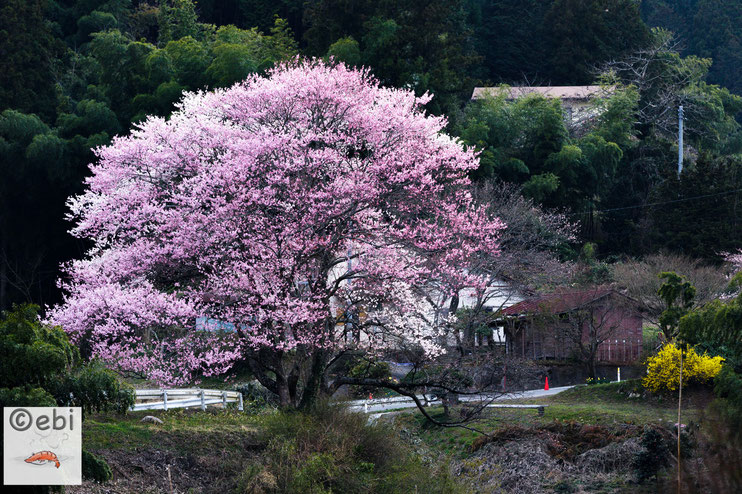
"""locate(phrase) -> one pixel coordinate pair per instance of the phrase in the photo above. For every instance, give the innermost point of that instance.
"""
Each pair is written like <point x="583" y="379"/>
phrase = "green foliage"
<point x="18" y="129"/>
<point x="94" y="22"/>
<point x="616" y="114"/>
<point x="526" y="141"/>
<point x="190" y="61"/>
<point x="345" y="50"/>
<point x="95" y="468"/>
<point x="709" y="28"/>
<point x="331" y="450"/>
<point x="591" y="271"/>
<point x="425" y="46"/>
<point x="28" y="52"/>
<point x="678" y="294"/>
<point x="41" y="368"/>
<point x="232" y="63"/>
<point x="515" y="137"/>
<point x="94" y="388"/>
<point x="368" y="369"/>
<point x="716" y="327"/>
<point x="90" y="117"/>
<point x="255" y="396"/>
<point x="728" y="387"/>
<point x="26" y="396"/>
<point x="33" y="354"/>
<point x="178" y="19"/>
<point x="654" y="455"/>
<point x="605" y="29"/>
<point x="598" y="380"/>
<point x="704" y="196"/>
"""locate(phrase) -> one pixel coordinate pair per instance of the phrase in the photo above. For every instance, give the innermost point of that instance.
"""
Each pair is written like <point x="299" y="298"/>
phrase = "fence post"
<point x="203" y="402"/>
<point x="240" y="408"/>
<point x="224" y="400"/>
<point x="164" y="399"/>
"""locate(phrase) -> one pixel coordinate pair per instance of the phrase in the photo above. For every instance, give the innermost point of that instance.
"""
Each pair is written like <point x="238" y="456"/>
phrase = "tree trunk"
<point x="284" y="395"/>
<point x="449" y="400"/>
<point x="452" y="309"/>
<point x="591" y="371"/>
<point x="313" y="386"/>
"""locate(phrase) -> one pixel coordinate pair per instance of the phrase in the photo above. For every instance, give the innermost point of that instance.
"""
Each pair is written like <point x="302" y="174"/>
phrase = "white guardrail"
<point x="165" y="399"/>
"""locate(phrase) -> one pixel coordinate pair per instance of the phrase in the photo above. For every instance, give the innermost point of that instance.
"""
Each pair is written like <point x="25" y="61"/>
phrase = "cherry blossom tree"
<point x="308" y="213"/>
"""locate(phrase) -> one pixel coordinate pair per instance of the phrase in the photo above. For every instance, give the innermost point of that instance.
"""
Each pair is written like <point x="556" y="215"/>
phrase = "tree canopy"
<point x="267" y="207"/>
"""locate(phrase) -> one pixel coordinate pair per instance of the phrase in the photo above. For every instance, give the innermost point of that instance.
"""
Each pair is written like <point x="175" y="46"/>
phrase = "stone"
<point x="150" y="419"/>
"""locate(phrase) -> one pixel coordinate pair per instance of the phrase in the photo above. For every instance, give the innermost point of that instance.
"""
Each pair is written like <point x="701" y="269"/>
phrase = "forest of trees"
<point x="75" y="73"/>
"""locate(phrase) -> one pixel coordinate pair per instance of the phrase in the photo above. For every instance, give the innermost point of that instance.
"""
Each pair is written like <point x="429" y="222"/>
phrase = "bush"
<point x="40" y="367"/>
<point x="95" y="468"/>
<point x="663" y="370"/>
<point x="26" y="396"/>
<point x="598" y="380"/>
<point x="333" y="450"/>
<point x="255" y="396"/>
<point x="653" y="456"/>
<point x="94" y="388"/>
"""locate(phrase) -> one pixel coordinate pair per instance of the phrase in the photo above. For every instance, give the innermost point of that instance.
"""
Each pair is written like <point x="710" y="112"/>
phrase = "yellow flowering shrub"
<point x="663" y="370"/>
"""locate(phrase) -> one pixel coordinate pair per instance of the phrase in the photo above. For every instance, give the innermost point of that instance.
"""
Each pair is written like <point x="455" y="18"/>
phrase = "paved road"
<point x="385" y="404"/>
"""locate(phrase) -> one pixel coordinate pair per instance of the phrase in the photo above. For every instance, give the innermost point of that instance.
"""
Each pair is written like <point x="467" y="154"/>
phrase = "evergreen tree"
<point x="27" y="54"/>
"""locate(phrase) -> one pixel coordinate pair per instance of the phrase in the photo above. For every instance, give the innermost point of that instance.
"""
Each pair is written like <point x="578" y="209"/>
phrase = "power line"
<point x="658" y="203"/>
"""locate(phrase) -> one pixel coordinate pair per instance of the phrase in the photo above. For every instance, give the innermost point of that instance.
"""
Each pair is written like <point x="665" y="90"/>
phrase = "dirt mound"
<point x="541" y="459"/>
<point x="207" y="464"/>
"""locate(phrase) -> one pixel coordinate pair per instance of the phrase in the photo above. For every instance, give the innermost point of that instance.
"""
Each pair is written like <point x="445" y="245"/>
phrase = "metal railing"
<point x="165" y="399"/>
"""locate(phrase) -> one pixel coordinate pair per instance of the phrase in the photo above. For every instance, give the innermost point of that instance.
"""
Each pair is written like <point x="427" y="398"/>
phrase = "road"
<point x="379" y="405"/>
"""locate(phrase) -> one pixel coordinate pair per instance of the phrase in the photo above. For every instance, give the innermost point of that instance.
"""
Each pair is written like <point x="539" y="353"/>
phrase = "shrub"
<point x="256" y="396"/>
<point x="94" y="388"/>
<point x="40" y="367"/>
<point x="95" y="468"/>
<point x="663" y="370"/>
<point x="598" y="380"/>
<point x="653" y="456"/>
<point x="26" y="396"/>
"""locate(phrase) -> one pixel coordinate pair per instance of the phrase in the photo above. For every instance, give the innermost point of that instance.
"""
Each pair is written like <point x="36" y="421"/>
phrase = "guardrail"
<point x="165" y="399"/>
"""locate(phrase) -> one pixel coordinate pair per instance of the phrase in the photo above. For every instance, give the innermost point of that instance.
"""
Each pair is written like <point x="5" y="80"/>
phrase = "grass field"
<point x="214" y="451"/>
<point x="600" y="404"/>
<point x="128" y="432"/>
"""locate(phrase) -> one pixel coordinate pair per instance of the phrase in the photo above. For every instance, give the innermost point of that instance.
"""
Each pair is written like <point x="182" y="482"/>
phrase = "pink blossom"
<point x="243" y="206"/>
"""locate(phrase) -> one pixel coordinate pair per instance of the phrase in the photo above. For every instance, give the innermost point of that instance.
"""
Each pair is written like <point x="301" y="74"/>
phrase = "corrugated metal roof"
<point x="557" y="302"/>
<point x="558" y="92"/>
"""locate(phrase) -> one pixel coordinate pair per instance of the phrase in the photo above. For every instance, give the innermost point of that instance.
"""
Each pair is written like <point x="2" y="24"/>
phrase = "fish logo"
<point x="42" y="458"/>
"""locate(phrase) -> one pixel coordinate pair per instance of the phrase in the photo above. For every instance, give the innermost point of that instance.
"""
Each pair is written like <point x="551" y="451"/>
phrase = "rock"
<point x="634" y="395"/>
<point x="150" y="419"/>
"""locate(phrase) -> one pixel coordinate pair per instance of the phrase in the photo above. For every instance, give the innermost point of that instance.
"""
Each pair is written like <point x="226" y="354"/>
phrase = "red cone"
<point x="370" y="396"/>
<point x="546" y="387"/>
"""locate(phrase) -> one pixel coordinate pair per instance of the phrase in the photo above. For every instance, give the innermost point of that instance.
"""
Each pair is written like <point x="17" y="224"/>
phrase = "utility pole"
<point x="680" y="140"/>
